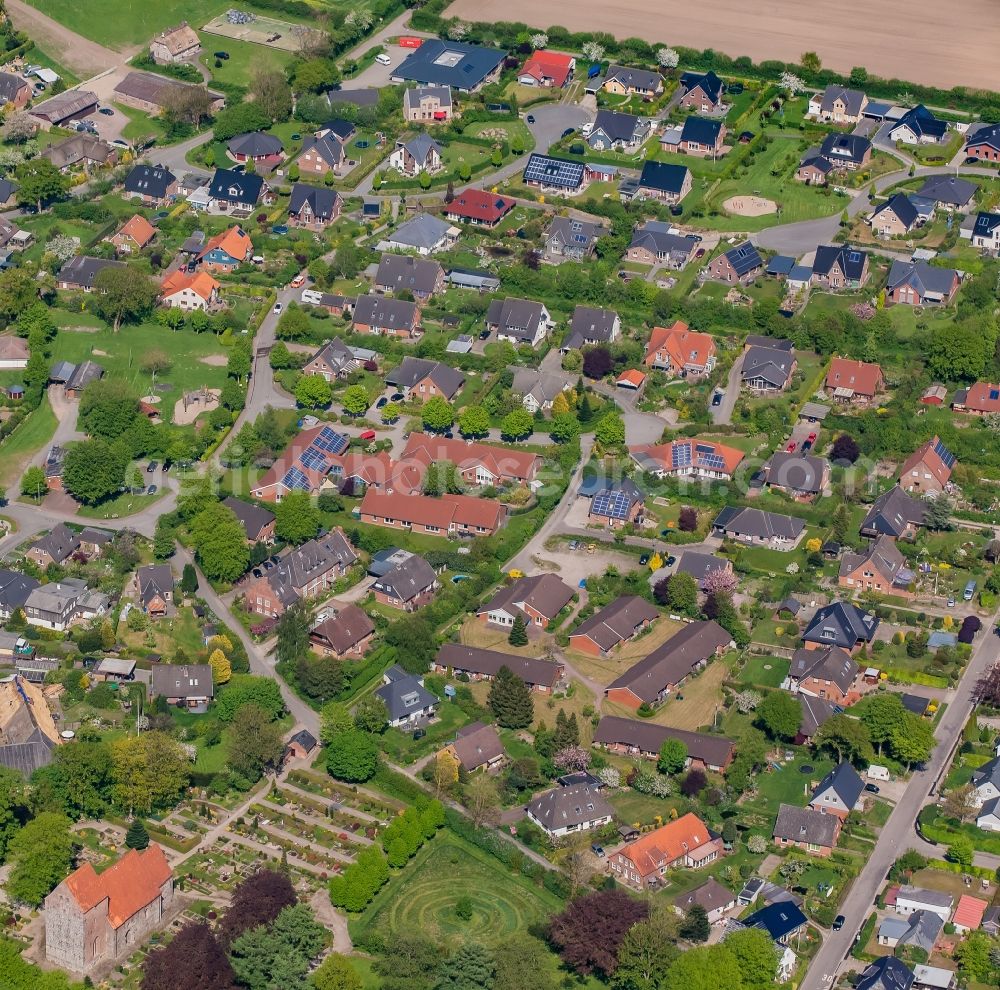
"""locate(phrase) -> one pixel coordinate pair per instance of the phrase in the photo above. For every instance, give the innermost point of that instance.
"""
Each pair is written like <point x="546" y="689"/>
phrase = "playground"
<point x="750" y="206"/>
<point x="260" y="30"/>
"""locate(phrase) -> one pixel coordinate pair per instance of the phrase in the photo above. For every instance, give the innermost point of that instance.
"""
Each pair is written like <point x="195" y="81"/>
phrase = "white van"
<point x="383" y="59"/>
<point x="312" y="297"/>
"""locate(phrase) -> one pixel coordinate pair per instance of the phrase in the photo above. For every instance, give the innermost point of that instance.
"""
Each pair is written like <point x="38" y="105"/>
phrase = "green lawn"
<point x="140" y="125"/>
<point x="122" y="355"/>
<point x="117" y="25"/>
<point x="422" y="896"/>
<point x="764" y="671"/>
<point x="400" y="746"/>
<point x="245" y="58"/>
<point x="125" y="504"/>
<point x="788" y="785"/>
<point x="29" y="437"/>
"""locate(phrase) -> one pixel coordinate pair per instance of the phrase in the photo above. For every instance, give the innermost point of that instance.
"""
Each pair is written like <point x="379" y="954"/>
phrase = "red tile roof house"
<point x="483" y="665"/>
<point x="347" y="633"/>
<point x="545" y="68"/>
<point x="854" y="382"/>
<point x="679" y="351"/>
<point x="386" y="317"/>
<point x="695" y="458"/>
<point x="980" y="399"/>
<point x="479" y="208"/>
<point x="92" y="918"/>
<point x="135" y="234"/>
<point x="458" y="514"/>
<point x="969" y="913"/>
<point x="685" y="842"/>
<point x="408" y="586"/>
<point x="655" y="677"/>
<point x="537" y="599"/>
<point x="190" y="291"/>
<point x="928" y="469"/>
<point x="620" y="622"/>
<point x="478" y="463"/>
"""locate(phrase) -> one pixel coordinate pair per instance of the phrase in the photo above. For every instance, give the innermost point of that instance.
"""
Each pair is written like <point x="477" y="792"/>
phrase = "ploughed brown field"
<point x="924" y="41"/>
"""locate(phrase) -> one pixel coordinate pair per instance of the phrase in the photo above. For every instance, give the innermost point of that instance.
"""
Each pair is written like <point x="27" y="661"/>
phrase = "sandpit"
<point x="188" y="408"/>
<point x="215" y="360"/>
<point x="750" y="206"/>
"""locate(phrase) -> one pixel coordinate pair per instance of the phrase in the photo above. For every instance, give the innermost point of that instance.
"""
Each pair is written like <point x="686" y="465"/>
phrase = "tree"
<point x="958" y="350"/>
<point x="756" y="956"/>
<point x="108" y="408"/>
<point x="510" y="700"/>
<point x="470" y="967"/>
<point x="694" y="783"/>
<point x="445" y="772"/>
<point x="352" y="756"/>
<point x="791" y="83"/>
<point x="191" y="960"/>
<point x="296" y="517"/>
<point x="313" y="392"/>
<point x="220" y="543"/>
<point x="257" y="744"/>
<point x="415" y="641"/>
<point x="593" y="51"/>
<point x="597" y="362"/>
<point x="695" y="926"/>
<point x="93" y="471"/>
<point x="136" y="837"/>
<point x="646" y="953"/>
<point x="76" y="783"/>
<point x="960" y="803"/>
<point x="336" y="973"/>
<point x="18" y="127"/>
<point x="278" y="956"/>
<point x="912" y="740"/>
<point x="938" y="515"/>
<point x="190" y="105"/>
<point x="246" y="689"/>
<point x="355" y="400"/>
<point x="961" y="851"/>
<point x="780" y="715"/>
<point x="847" y="737"/>
<point x="189" y="579"/>
<point x="687" y="519"/>
<point x="705" y="968"/>
<point x="222" y="670"/>
<point x="973" y="955"/>
<point x="610" y="430"/>
<point x="588" y="933"/>
<point x="681" y="593"/>
<point x="437" y="414"/>
<point x="483" y="799"/>
<point x="33" y="482"/>
<point x="42" y="853"/>
<point x="845" y="448"/>
<point x="13" y="798"/>
<point x="38" y="182"/>
<point x="719" y="583"/>
<point x="518" y="633"/>
<point x="442" y="478"/>
<point x="880" y="716"/>
<point x="474" y="422"/>
<point x="565" y="428"/>
<point x="272" y="94"/>
<point x="518" y="424"/>
<point x="673" y="756"/>
<point x="123" y="295"/>
<point x="667" y="58"/>
<point x="256" y="901"/>
<point x="371" y="714"/>
<point x="522" y="963"/>
<point x="810" y="61"/>
<point x="293" y="634"/>
<point x="148" y="772"/>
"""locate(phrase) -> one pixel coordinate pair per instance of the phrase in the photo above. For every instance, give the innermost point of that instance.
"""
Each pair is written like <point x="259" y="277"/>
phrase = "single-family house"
<point x="314" y="207"/>
<point x="175" y="44"/>
<point x="83" y="150"/>
<point x="895" y="217"/>
<point x="886" y="973"/>
<point x="969" y="913"/>
<point x="572" y="238"/>
<point x="782" y="920"/>
<point x="564" y="810"/>
<point x="854" y="382"/>
<point x="617" y="504"/>
<point x="226" y="251"/>
<point x="619" y="622"/>
<point x="427" y="104"/>
<point x="910" y="899"/>
<point x="410" y="585"/>
<point x="520" y="321"/>
<point x="688" y="457"/>
<point x="346" y="633"/>
<point x="916" y="283"/>
<point x="619" y="131"/>
<point x="703" y="137"/>
<point x="537" y="600"/>
<point x="423" y="233"/>
<point x="984" y="143"/>
<point x="838" y="105"/>
<point x="948" y="191"/>
<point x="153" y="588"/>
<point x="419" y="378"/>
<point x="384" y="316"/>
<point x="479" y="208"/>
<point x="188" y="685"/>
<point x="406" y="699"/>
<point x="805" y="828"/>
<point x="477" y="747"/>
<point x="841" y="267"/>
<point x="483" y="665"/>
<point x="257" y="522"/>
<point x="14" y="352"/>
<point x="845" y="152"/>
<point x="716" y="900"/>
<point x="701" y="565"/>
<point x="979" y="399"/>
<point x="802" y="476"/>
<point x="663" y="181"/>
<point x="264" y="150"/>
<point x="238" y="193"/>
<point x="919" y="930"/>
<point x="152" y="185"/>
<point x="624" y="81"/>
<point x="592" y="326"/>
<point x="757" y="527"/>
<point x="985" y="232"/>
<point x="420" y="153"/>
<point x="399" y="273"/>
<point x="538" y="389"/>
<point x="80" y="272"/>
<point x="740" y="264"/>
<point x="14" y="90"/>
<point x="839" y="792"/>
<point x="894" y="513"/>
<point x="547" y="68"/>
<point x="660" y="673"/>
<point x="681" y="352"/>
<point x="928" y="469"/>
<point x="653" y="243"/>
<point x="828" y="672"/>
<point x="918" y="126"/>
<point x="190" y="291"/>
<point x="702" y="92"/>
<point x="767" y="369"/>
<point x="879" y="568"/>
<point x="321" y="153"/>
<point x="840" y="624"/>
<point x="685" y="842"/>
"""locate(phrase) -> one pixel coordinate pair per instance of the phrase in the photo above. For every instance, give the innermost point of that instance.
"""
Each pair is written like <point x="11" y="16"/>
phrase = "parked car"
<point x="483" y="334"/>
<point x="597" y="849"/>
<point x="151" y="490"/>
<point x="152" y="466"/>
<point x="872" y="788"/>
<point x="381" y="403"/>
<point x="107" y="111"/>
<point x="277" y="308"/>
<point x="791" y="446"/>
<point x="951" y="601"/>
<point x="812" y="437"/>
<point x="671" y="560"/>
<point x="568" y="131"/>
<point x="700" y="253"/>
<point x="574" y="544"/>
<point x="717" y="399"/>
<point x="396" y="397"/>
<point x="367" y="435"/>
<point x="807" y="445"/>
<point x="643" y="560"/>
<point x="223" y="55"/>
<point x="298" y="281"/>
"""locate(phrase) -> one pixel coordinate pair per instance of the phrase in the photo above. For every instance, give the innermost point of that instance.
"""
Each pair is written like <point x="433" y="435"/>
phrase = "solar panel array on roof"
<point x="313" y="459"/>
<point x="553" y="171"/>
<point x="294" y="478"/>
<point x="613" y="504"/>
<point x="994" y="394"/>
<point x="947" y="457"/>
<point x="680" y="455"/>
<point x="714" y="461"/>
<point x="328" y="440"/>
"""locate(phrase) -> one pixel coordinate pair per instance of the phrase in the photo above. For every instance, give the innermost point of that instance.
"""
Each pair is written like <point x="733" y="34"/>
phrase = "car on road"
<point x="530" y="118"/>
<point x="644" y="560"/>
<point x="838" y="922"/>
<point x="951" y="601"/>
<point x="223" y="55"/>
<point x="277" y="309"/>
<point x="151" y="490"/>
<point x="872" y="788"/>
<point x="717" y="399"/>
<point x="367" y="435"/>
<point x="298" y="281"/>
<point x="152" y="466"/>
<point x="107" y="111"/>
<point x="791" y="446"/>
<point x="382" y="403"/>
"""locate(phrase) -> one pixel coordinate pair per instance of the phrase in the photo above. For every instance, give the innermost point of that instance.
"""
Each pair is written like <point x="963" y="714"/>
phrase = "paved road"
<point x="174" y="156"/>
<point x="898" y="835"/>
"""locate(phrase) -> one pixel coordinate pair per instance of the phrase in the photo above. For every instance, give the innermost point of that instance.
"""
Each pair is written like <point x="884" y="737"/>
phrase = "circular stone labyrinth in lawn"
<point x="426" y="900"/>
<point x="750" y="206"/>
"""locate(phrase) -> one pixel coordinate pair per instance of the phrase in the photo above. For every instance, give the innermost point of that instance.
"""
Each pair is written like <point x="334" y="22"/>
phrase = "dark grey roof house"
<point x="641" y="80"/>
<point x="255" y="145"/>
<point x="367" y="97"/>
<point x="841" y="624"/>
<point x="14" y="590"/>
<point x="255" y="519"/>
<point x="805" y="827"/>
<point x="189" y="685"/>
<point x="486" y="664"/>
<point x="404" y="272"/>
<point x="408" y="580"/>
<point x="845" y="149"/>
<point x="758" y="526"/>
<point x="613" y="129"/>
<point x="931" y="283"/>
<point x="80" y="272"/>
<point x="149" y="181"/>
<point x="461" y="66"/>
<point x="839" y="791"/>
<point x="767" y="368"/>
<point x="238" y="189"/>
<point x="424" y="233"/>
<point x="412" y="371"/>
<point x="406" y="698"/>
<point x="571" y="237"/>
<point x="801" y="474"/>
<point x="831" y="665"/>
<point x="949" y="190"/>
<point x="592" y="326"/>
<point x="569" y="809"/>
<point x="850" y="261"/>
<point x="887" y="973"/>
<point x="700" y="565"/>
<point x="655" y="237"/>
<point x="316" y="203"/>
<point x="638" y="736"/>
<point x="521" y="321"/>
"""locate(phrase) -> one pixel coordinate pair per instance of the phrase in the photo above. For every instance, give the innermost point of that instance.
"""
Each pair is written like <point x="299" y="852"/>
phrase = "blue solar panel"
<point x="328" y="440"/>
<point x="294" y="478"/>
<point x="713" y="461"/>
<point x="704" y="448"/>
<point x="681" y="455"/>
<point x="944" y="453"/>
<point x="613" y="504"/>
<point x="313" y="459"/>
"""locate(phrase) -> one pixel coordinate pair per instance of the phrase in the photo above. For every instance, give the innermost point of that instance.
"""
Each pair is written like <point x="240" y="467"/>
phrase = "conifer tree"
<point x="510" y="700"/>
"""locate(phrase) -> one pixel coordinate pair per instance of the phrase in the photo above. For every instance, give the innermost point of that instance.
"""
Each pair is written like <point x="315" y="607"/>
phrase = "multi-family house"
<point x="483" y="665"/>
<point x="688" y="457"/>
<point x="565" y="810"/>
<point x="638" y="737"/>
<point x="609" y="627"/>
<point x="458" y="515"/>
<point x="478" y="464"/>
<point x="685" y="842"/>
<point x="879" y="568"/>
<point x="63" y="603"/>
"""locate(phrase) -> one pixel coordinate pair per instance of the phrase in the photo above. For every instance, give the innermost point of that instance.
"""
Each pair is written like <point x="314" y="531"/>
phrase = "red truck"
<point x="408" y="42"/>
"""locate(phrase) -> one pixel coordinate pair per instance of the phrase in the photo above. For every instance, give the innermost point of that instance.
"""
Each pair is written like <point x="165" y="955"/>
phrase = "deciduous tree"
<point x="780" y="715"/>
<point x="42" y="853"/>
<point x="123" y="295"/>
<point x="257" y="900"/>
<point x="352" y="756"/>
<point x="296" y="517"/>
<point x="589" y="931"/>
<point x="220" y="542"/>
<point x="93" y="471"/>
<point x="257" y="744"/>
<point x="191" y="960"/>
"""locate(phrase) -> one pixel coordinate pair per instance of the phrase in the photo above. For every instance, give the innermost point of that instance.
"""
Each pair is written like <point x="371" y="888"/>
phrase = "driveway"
<point x="723" y="412"/>
<point x="552" y="119"/>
